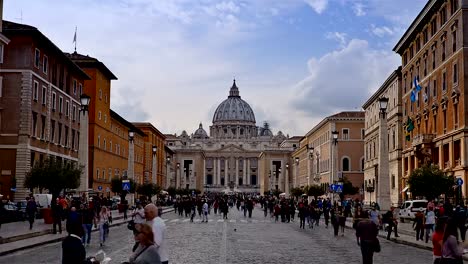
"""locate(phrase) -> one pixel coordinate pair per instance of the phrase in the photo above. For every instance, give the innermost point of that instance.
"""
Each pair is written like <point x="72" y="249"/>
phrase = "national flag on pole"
<point x="416" y="84"/>
<point x="409" y="125"/>
<point x="74" y="37"/>
<point x="414" y="96"/>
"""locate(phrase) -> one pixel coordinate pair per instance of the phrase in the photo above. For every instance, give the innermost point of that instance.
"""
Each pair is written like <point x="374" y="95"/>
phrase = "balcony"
<point x="423" y="139"/>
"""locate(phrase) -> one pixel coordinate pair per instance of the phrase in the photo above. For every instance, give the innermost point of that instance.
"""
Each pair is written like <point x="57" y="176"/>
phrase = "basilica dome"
<point x="234" y="109"/>
<point x="200" y="133"/>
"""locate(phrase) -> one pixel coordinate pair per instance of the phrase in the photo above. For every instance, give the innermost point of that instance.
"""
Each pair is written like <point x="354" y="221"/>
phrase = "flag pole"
<point x="74" y="38"/>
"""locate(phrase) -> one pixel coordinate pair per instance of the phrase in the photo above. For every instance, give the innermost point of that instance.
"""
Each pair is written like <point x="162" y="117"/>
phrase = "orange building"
<point x="108" y="131"/>
<point x="153" y="137"/>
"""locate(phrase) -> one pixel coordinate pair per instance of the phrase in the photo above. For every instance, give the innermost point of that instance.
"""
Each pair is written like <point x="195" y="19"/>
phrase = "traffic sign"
<point x="339" y="188"/>
<point x="459" y="181"/>
<point x="333" y="187"/>
<point x="126" y="185"/>
<point x="99" y="188"/>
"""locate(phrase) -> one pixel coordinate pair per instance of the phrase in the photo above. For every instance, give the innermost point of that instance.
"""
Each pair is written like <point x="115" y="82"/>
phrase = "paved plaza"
<point x="238" y="240"/>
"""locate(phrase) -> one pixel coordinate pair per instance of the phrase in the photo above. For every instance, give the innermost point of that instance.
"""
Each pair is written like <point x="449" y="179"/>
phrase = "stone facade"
<point x="391" y="89"/>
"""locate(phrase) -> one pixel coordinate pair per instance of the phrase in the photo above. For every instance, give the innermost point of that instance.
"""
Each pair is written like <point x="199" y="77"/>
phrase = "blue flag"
<point x="413" y="96"/>
<point x="416" y="84"/>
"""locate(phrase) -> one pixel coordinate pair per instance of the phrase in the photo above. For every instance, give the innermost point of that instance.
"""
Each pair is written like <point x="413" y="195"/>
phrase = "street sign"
<point x="333" y="187"/>
<point x="339" y="188"/>
<point x="459" y="181"/>
<point x="126" y="185"/>
<point x="99" y="188"/>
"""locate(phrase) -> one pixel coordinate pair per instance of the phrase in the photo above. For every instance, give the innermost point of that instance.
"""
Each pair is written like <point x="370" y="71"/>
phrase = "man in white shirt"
<point x="205" y="212"/>
<point x="159" y="231"/>
<point x="139" y="214"/>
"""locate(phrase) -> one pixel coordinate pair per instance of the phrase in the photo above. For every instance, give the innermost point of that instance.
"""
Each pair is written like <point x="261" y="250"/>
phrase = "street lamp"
<point x="286" y="180"/>
<point x="177" y="175"/>
<point x="131" y="135"/>
<point x="168" y="178"/>
<point x="131" y="159"/>
<point x="83" y="145"/>
<point x="383" y="181"/>
<point x="310" y="162"/>
<point x="154" y="171"/>
<point x="335" y="152"/>
<point x="296" y="171"/>
<point x="335" y="136"/>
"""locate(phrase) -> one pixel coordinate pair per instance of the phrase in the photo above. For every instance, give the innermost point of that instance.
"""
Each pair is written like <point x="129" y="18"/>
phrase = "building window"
<point x="433" y="60"/>
<point x="453" y="6"/>
<point x="99" y="141"/>
<point x="80" y="87"/>
<point x="44" y="95"/>
<point x="66" y="136"/>
<point x="73" y="139"/>
<point x="443" y="16"/>
<point x="105" y="98"/>
<point x="99" y="115"/>
<point x="345" y="134"/>
<point x="37" y="58"/>
<point x="454" y="41"/>
<point x="2" y="48"/>
<point x="60" y="104"/>
<point x="45" y="64"/>
<point x="110" y="146"/>
<point x="418" y="44"/>
<point x="393" y="181"/>
<point x="54" y="101"/>
<point x="52" y="131"/>
<point x="74" y="113"/>
<point x="444" y="81"/>
<point x="425" y="36"/>
<point x="445" y="121"/>
<point x="100" y="94"/>
<point x="345" y="164"/>
<point x="434" y="88"/>
<point x="455" y="74"/>
<point x="36" y="91"/>
<point x="67" y="108"/>
<point x="43" y="125"/>
<point x="74" y="86"/>
<point x="59" y="134"/>
<point x="443" y="50"/>
<point x="34" y="124"/>
<point x="363" y="133"/>
<point x="455" y="115"/>
<point x="435" y="124"/>
<point x="97" y="174"/>
<point x="105" y="118"/>
<point x="433" y="27"/>
<point x="105" y="146"/>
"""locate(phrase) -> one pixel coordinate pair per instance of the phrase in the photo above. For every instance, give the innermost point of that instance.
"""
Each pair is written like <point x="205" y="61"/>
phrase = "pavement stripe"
<point x="174" y="220"/>
<point x="220" y="220"/>
<point x="233" y="220"/>
<point x="186" y="220"/>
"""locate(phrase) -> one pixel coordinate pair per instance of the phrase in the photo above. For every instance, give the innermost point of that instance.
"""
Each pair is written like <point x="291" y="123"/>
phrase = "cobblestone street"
<point x="239" y="240"/>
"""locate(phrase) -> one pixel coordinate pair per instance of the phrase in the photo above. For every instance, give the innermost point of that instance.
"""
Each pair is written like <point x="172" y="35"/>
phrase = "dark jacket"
<point x="73" y="251"/>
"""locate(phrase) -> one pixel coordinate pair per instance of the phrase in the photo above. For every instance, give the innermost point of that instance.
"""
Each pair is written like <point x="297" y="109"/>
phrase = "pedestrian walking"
<point x="438" y="240"/>
<point x="429" y="223"/>
<point x="452" y="250"/>
<point x="138" y="214"/>
<point x="265" y="210"/>
<point x="125" y="209"/>
<point x="334" y="216"/>
<point x="341" y="219"/>
<point x="57" y="211"/>
<point x="103" y="224"/>
<point x="73" y="251"/>
<point x="292" y="210"/>
<point x="391" y="219"/>
<point x="146" y="252"/>
<point x="31" y="210"/>
<point x="159" y="231"/>
<point x="87" y="218"/>
<point x="302" y="214"/>
<point x="460" y="219"/>
<point x="366" y="236"/>
<point x="326" y="215"/>
<point x="205" y="212"/>
<point x="418" y="224"/>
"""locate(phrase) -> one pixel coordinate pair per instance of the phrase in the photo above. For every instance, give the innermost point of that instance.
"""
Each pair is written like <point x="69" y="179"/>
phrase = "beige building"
<point x="318" y="160"/>
<point x="433" y="51"/>
<point x="390" y="89"/>
<point x="237" y="156"/>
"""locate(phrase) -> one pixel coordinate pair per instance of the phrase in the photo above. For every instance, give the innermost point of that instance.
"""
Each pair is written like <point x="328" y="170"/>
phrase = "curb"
<point x="58" y="239"/>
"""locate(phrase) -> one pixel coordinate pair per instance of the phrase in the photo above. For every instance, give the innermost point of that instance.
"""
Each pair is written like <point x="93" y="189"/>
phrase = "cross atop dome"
<point x="234" y="91"/>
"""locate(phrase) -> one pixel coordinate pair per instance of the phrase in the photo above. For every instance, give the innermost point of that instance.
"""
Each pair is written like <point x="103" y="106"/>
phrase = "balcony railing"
<point x="423" y="139"/>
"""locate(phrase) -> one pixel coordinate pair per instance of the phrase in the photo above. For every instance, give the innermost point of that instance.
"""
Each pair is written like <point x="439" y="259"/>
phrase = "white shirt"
<point x="139" y="216"/>
<point x="159" y="232"/>
<point x="430" y="218"/>
<point x="205" y="207"/>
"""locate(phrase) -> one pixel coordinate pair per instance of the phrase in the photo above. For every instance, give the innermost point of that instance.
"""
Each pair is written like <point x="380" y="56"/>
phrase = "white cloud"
<point x="382" y="31"/>
<point x="318" y="5"/>
<point x="337" y="36"/>
<point x="342" y="79"/>
<point x="358" y="9"/>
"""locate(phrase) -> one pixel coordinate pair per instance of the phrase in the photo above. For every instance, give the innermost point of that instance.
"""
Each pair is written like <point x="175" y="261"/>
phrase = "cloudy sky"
<point x="295" y="61"/>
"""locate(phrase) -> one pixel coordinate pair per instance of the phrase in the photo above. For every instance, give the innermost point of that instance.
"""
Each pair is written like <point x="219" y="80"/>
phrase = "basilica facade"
<point x="237" y="155"/>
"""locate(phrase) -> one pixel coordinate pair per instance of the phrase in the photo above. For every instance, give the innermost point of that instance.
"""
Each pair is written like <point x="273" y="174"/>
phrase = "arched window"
<point x="362" y="164"/>
<point x="345" y="164"/>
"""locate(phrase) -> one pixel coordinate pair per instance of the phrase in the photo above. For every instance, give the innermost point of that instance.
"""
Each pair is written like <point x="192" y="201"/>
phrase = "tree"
<point x="148" y="190"/>
<point x="348" y="189"/>
<point x="53" y="175"/>
<point x="116" y="187"/>
<point x="171" y="191"/>
<point x="296" y="191"/>
<point x="429" y="181"/>
<point x="315" y="191"/>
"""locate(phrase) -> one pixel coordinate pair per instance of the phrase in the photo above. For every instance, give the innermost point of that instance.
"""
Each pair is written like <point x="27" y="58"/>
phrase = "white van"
<point x="409" y="208"/>
<point x="43" y="200"/>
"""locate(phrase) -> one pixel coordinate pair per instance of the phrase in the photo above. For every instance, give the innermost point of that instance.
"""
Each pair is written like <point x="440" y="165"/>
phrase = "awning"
<point x="405" y="189"/>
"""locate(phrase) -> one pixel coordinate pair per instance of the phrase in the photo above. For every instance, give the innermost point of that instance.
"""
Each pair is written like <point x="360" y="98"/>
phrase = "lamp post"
<point x="296" y="171"/>
<point x="154" y="171"/>
<point x="286" y="180"/>
<point x="317" y="175"/>
<point x="83" y="145"/>
<point x="310" y="153"/>
<point x="383" y="181"/>
<point x="278" y="177"/>
<point x="131" y="160"/>
<point x="177" y="179"/>
<point x="168" y="178"/>
<point x="335" y="152"/>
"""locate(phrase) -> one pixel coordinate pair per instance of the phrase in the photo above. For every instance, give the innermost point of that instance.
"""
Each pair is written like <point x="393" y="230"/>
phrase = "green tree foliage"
<point x="315" y="191"/>
<point x="53" y="175"/>
<point x="148" y="190"/>
<point x="348" y="189"/>
<point x="429" y="181"/>
<point x="116" y="187"/>
<point x="296" y="191"/>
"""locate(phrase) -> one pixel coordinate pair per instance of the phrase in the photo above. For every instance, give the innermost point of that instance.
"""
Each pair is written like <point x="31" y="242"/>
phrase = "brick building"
<point x="39" y="104"/>
<point x="432" y="51"/>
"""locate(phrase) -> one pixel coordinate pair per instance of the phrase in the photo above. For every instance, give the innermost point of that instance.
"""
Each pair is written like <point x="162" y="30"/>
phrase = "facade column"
<point x="309" y="168"/>
<point x="248" y="171"/>
<point x="154" y="170"/>
<point x="215" y="174"/>
<point x="83" y="150"/>
<point x="226" y="172"/>
<point x="286" y="180"/>
<point x="131" y="165"/>
<point x="244" y="173"/>
<point x="383" y="183"/>
<point x="204" y="173"/>
<point x="219" y="170"/>
<point x="237" y="171"/>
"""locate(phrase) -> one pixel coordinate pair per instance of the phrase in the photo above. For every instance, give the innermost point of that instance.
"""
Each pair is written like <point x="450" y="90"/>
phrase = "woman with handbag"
<point x="452" y="251"/>
<point x="103" y="222"/>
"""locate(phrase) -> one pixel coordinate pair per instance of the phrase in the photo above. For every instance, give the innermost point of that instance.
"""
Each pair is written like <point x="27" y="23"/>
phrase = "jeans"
<point x="302" y="222"/>
<point x="57" y="221"/>
<point x="86" y="233"/>
<point x="205" y="216"/>
<point x="429" y="229"/>
<point x="419" y="232"/>
<point x="367" y="252"/>
<point x="102" y="233"/>
<point x="394" y="226"/>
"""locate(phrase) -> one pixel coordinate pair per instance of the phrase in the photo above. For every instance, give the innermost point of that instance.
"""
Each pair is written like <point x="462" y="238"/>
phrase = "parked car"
<point x="409" y="208"/>
<point x="21" y="206"/>
<point x="12" y="214"/>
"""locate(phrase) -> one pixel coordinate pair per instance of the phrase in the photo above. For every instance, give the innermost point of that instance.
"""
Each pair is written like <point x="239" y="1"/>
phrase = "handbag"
<point x="376" y="245"/>
<point x="131" y="225"/>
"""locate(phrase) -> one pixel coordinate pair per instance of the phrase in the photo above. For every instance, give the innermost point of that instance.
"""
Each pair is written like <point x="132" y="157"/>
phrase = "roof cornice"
<point x="395" y="75"/>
